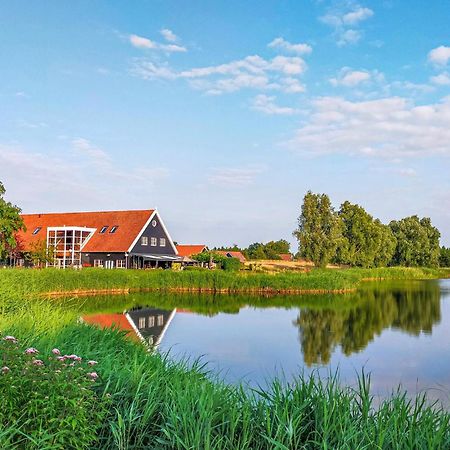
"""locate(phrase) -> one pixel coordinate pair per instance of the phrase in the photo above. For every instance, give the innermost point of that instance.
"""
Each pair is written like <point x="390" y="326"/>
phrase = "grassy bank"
<point x="22" y="282"/>
<point x="153" y="403"/>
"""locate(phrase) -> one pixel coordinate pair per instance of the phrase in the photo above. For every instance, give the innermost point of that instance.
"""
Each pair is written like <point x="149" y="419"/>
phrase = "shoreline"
<point x="126" y="291"/>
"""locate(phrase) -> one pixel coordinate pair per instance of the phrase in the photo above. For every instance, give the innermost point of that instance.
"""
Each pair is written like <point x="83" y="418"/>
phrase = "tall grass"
<point x="158" y="404"/>
<point x="19" y="282"/>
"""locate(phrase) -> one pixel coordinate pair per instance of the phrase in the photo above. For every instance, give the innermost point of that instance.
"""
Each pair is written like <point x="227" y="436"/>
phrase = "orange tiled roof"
<point x="285" y="256"/>
<point x="237" y="255"/>
<point x="189" y="250"/>
<point x="129" y="224"/>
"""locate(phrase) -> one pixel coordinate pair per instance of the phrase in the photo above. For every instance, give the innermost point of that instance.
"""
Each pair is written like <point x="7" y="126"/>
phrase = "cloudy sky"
<point x="222" y="114"/>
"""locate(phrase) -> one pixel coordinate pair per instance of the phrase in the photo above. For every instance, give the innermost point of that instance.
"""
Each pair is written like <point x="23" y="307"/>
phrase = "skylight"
<point x="114" y="228"/>
<point x="36" y="230"/>
<point x="103" y="229"/>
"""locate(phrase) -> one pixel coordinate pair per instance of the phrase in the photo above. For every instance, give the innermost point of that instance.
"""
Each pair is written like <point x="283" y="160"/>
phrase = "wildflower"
<point x="74" y="357"/>
<point x="31" y="351"/>
<point x="10" y="339"/>
<point x="60" y="358"/>
<point x="92" y="375"/>
<point x="5" y="369"/>
<point x="38" y="362"/>
<point x="92" y="363"/>
<point x="56" y="351"/>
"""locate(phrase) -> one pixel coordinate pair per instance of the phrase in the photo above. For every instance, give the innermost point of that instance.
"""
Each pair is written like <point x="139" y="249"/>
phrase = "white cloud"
<point x="254" y="72"/>
<point x="345" y="23"/>
<point x="388" y="128"/>
<point x="85" y="147"/>
<point x="267" y="105"/>
<point x="301" y="49"/>
<point x="350" y="78"/>
<point x="169" y="35"/>
<point x="442" y="79"/>
<point x="234" y="177"/>
<point x="407" y="172"/>
<point x="358" y="15"/>
<point x="65" y="180"/>
<point x="439" y="56"/>
<point x="145" y="43"/>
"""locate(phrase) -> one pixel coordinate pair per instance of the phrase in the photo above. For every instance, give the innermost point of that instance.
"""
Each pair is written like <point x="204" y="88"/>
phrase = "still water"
<point x="399" y="332"/>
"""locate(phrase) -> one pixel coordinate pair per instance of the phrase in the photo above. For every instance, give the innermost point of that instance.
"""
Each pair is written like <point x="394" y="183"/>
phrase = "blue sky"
<point x="223" y="114"/>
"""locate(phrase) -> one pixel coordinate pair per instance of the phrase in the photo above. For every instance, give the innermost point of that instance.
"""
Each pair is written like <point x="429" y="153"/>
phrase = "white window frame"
<point x="121" y="264"/>
<point x="141" y="323"/>
<point x="151" y="321"/>
<point x="162" y="242"/>
<point x="98" y="263"/>
<point x="153" y="242"/>
<point x="144" y="240"/>
<point x="160" y="320"/>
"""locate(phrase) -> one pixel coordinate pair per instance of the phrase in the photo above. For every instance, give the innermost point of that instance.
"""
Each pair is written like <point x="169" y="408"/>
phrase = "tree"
<point x="417" y="242"/>
<point x="255" y="251"/>
<point x="365" y="242"/>
<point x="444" y="257"/>
<point x="39" y="254"/>
<point x="10" y="223"/>
<point x="319" y="229"/>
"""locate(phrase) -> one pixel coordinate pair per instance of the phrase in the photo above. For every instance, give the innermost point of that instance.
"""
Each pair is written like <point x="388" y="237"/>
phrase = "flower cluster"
<point x="69" y="360"/>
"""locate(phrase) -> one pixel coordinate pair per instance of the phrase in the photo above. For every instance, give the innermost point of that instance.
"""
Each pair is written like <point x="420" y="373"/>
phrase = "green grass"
<point x="20" y="282"/>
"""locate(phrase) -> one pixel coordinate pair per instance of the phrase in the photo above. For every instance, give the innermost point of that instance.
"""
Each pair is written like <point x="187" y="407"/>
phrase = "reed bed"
<point x="20" y="282"/>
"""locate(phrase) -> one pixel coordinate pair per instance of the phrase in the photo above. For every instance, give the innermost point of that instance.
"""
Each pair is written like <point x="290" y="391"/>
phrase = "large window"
<point x="121" y="264"/>
<point x="65" y="244"/>
<point x="153" y="242"/>
<point x="98" y="262"/>
<point x="144" y="240"/>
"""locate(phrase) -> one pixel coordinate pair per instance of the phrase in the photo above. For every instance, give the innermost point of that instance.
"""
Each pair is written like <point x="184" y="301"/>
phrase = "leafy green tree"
<point x="10" y="223"/>
<point x="365" y="242"/>
<point x="319" y="229"/>
<point x="274" y="249"/>
<point x="255" y="251"/>
<point x="417" y="242"/>
<point x="444" y="257"/>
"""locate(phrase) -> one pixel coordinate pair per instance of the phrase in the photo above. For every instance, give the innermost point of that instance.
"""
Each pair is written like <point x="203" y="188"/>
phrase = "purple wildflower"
<point x="31" y="351"/>
<point x="92" y="363"/>
<point x="38" y="362"/>
<point x="92" y="375"/>
<point x="56" y="351"/>
<point x="10" y="339"/>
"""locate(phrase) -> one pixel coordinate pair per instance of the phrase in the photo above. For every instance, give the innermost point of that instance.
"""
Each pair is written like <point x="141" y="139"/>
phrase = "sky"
<point x="223" y="114"/>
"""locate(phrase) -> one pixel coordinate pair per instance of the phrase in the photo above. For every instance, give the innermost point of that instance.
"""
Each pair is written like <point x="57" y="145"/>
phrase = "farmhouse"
<point x="109" y="239"/>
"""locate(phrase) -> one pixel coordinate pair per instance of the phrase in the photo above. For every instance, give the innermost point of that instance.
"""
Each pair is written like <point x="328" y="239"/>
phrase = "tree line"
<point x="351" y="236"/>
<point x="258" y="250"/>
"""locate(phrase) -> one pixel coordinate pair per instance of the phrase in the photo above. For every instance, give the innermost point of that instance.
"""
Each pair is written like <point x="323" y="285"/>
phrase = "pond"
<point x="399" y="332"/>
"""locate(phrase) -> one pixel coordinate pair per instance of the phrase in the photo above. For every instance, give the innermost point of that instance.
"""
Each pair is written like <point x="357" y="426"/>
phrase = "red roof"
<point x="129" y="224"/>
<point x="237" y="255"/>
<point x="285" y="256"/>
<point x="189" y="250"/>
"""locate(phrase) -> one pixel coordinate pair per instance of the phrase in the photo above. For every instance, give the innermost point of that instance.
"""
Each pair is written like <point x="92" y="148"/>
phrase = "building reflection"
<point x="414" y="310"/>
<point x="144" y="324"/>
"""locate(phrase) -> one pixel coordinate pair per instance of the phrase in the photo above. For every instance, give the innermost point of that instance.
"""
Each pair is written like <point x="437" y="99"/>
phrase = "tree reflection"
<point x="412" y="308"/>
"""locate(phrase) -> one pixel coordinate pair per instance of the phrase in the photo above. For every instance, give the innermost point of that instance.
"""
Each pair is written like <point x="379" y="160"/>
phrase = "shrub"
<point x="231" y="264"/>
<point x="48" y="401"/>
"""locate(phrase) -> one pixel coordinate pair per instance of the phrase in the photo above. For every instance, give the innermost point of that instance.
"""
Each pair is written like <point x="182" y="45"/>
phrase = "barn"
<point x="110" y="239"/>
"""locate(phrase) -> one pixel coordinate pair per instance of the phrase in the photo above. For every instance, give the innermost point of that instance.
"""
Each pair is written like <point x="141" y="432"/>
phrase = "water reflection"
<point x="147" y="325"/>
<point x="412" y="308"/>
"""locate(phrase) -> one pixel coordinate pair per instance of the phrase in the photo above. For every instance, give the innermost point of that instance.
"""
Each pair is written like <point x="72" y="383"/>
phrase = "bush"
<point x="47" y="401"/>
<point x="231" y="264"/>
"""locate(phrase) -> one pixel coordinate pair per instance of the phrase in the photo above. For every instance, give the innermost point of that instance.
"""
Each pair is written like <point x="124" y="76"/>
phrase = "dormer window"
<point x="114" y="228"/>
<point x="103" y="229"/>
<point x="36" y="230"/>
